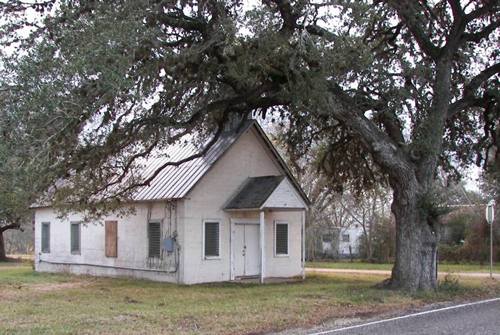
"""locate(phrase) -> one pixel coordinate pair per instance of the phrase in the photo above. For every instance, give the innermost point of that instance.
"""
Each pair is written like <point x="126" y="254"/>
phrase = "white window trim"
<point x="41" y="238"/>
<point x="287" y="238"/>
<point x="79" y="252"/>
<point x="203" y="239"/>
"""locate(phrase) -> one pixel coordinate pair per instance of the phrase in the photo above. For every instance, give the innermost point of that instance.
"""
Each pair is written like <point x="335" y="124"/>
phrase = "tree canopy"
<point x="394" y="91"/>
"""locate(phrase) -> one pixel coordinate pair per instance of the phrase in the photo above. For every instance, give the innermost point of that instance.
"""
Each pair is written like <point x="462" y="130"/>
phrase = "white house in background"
<point x="237" y="212"/>
<point x="335" y="242"/>
<point x="349" y="240"/>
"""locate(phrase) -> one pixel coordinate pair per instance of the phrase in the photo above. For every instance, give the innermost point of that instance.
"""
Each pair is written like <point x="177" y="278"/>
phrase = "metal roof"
<point x="174" y="182"/>
<point x="254" y="192"/>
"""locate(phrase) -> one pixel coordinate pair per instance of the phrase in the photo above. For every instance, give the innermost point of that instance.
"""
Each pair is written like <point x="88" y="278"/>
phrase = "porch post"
<point x="262" y="247"/>
<point x="303" y="224"/>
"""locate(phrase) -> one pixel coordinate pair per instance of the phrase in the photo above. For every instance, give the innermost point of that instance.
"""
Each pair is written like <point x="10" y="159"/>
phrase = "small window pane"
<point x="154" y="236"/>
<point x="281" y="239"/>
<point x="45" y="237"/>
<point x="75" y="238"/>
<point x="345" y="238"/>
<point x="211" y="239"/>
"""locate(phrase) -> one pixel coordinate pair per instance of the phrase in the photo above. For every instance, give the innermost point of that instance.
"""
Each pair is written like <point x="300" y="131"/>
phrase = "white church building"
<point x="235" y="213"/>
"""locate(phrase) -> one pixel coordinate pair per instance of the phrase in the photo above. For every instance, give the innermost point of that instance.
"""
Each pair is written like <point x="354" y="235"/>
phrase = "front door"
<point x="246" y="250"/>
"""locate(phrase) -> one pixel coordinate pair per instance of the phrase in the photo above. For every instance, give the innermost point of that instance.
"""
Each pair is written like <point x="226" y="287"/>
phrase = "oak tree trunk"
<point x="416" y="242"/>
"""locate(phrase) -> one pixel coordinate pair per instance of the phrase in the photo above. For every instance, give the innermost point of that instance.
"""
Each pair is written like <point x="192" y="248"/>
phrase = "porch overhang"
<point x="266" y="193"/>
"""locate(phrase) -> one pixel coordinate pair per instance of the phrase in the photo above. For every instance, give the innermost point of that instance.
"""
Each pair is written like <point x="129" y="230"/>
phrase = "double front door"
<point x="246" y="250"/>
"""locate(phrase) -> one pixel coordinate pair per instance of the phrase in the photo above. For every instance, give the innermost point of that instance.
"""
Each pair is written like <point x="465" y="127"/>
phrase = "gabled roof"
<point x="254" y="192"/>
<point x="175" y="182"/>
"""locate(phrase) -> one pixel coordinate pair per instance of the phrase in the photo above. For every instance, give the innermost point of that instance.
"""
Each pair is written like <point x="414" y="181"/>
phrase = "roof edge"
<point x="283" y="164"/>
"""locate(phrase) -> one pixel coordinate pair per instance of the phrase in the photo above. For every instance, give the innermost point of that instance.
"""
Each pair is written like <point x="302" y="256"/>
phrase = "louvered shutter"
<point x="45" y="237"/>
<point x="211" y="239"/>
<point x="75" y="238"/>
<point x="111" y="238"/>
<point x="154" y="236"/>
<point x="281" y="239"/>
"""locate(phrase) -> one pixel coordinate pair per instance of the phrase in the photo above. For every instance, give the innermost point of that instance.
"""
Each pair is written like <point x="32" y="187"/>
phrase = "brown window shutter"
<point x="111" y="228"/>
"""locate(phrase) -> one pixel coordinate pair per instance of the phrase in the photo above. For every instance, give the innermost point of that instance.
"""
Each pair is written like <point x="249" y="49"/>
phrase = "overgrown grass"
<point x="39" y="303"/>
<point x="443" y="267"/>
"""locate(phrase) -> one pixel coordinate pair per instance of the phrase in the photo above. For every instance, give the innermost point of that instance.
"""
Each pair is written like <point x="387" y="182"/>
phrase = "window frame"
<point x="42" y="249"/>
<point x="159" y="222"/>
<point x="204" y="222"/>
<point x="74" y="252"/>
<point x="346" y="240"/>
<point x="276" y="223"/>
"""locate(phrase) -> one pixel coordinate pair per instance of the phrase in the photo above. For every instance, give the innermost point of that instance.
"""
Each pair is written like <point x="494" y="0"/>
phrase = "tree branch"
<point x="321" y="32"/>
<point x="484" y="33"/>
<point x="410" y="16"/>
<point x="10" y="226"/>
<point x="469" y="98"/>
<point x="490" y="6"/>
<point x="456" y="9"/>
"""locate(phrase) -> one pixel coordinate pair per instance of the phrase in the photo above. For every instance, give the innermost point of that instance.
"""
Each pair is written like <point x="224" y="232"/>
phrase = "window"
<point x="75" y="237"/>
<point x="111" y="238"/>
<point x="154" y="237"/>
<point x="345" y="238"/>
<point x="327" y="238"/>
<point x="281" y="238"/>
<point x="211" y="239"/>
<point x="45" y="237"/>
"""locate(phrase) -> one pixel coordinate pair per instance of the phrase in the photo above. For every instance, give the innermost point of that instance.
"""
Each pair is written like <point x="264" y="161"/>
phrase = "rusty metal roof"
<point x="174" y="182"/>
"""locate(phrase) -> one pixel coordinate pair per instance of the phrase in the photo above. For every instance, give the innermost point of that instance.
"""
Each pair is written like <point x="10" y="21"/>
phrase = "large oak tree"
<point x="396" y="91"/>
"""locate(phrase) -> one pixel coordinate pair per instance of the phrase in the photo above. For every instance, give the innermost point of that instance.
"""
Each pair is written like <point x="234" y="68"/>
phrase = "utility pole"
<point x="490" y="217"/>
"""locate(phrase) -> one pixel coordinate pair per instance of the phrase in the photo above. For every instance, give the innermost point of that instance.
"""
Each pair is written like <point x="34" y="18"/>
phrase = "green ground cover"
<point x="40" y="303"/>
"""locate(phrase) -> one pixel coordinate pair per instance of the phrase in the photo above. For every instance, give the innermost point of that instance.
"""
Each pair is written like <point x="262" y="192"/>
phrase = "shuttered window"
<point x="211" y="239"/>
<point x="111" y="238"/>
<point x="45" y="237"/>
<point x="281" y="239"/>
<point x="154" y="237"/>
<point x="75" y="237"/>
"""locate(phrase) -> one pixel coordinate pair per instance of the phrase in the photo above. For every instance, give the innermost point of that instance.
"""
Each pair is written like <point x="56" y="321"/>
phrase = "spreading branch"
<point x="469" y="98"/>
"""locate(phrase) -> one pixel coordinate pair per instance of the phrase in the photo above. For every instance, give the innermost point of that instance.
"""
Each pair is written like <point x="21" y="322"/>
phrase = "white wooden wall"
<point x="132" y="244"/>
<point x="248" y="157"/>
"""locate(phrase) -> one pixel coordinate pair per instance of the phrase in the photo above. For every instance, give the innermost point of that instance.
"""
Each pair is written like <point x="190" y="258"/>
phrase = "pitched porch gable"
<point x="267" y="192"/>
<point x="285" y="196"/>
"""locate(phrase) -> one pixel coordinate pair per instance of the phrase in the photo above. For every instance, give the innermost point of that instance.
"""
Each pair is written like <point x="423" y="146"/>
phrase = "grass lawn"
<point x="39" y="303"/>
<point x="443" y="267"/>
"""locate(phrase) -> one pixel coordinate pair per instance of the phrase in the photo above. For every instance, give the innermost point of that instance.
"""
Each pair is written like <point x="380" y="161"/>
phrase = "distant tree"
<point x="16" y="184"/>
<point x="368" y="210"/>
<point x="389" y="90"/>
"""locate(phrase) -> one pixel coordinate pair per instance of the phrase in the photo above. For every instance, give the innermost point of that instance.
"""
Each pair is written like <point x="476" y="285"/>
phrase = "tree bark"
<point x="15" y="225"/>
<point x="3" y="256"/>
<point x="416" y="242"/>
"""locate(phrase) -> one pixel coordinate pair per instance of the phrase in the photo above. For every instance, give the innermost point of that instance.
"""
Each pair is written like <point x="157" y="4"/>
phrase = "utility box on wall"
<point x="169" y="244"/>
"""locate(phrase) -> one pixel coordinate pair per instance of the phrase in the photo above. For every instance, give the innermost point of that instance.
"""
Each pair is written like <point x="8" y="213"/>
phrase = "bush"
<point x="450" y="283"/>
<point x="450" y="253"/>
<point x="471" y="244"/>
